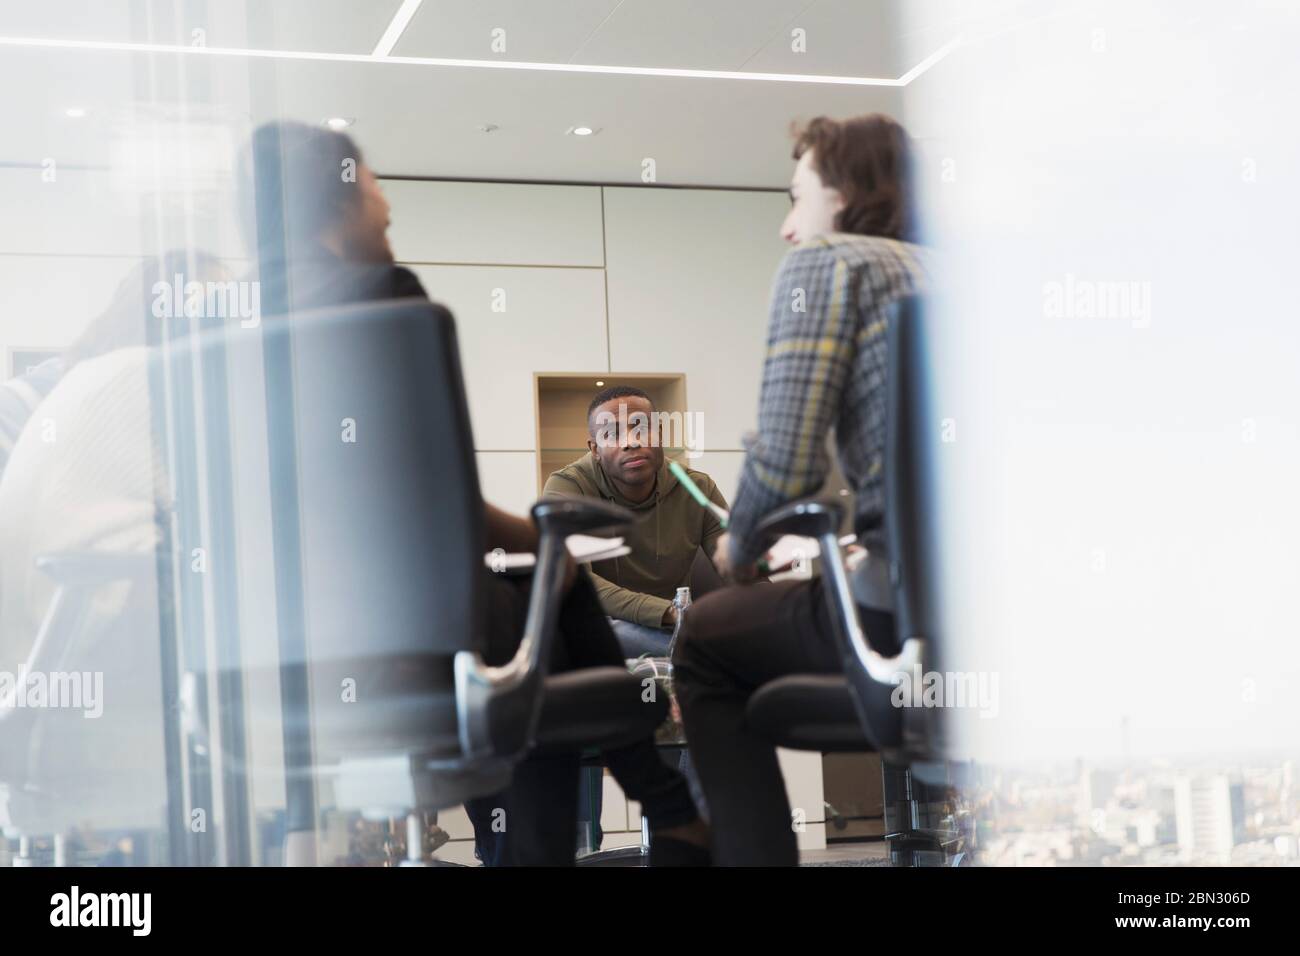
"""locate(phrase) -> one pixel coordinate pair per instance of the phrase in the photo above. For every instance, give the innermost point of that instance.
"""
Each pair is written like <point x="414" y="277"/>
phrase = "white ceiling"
<point x="422" y="119"/>
<point x="330" y="26"/>
<point x="853" y="37"/>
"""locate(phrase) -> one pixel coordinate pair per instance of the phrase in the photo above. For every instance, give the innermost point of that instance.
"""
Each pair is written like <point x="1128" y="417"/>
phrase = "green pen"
<point x="723" y="516"/>
<point x="698" y="495"/>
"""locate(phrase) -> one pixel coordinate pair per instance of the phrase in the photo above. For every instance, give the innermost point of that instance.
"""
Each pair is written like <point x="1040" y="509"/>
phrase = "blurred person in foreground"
<point x="87" y="479"/>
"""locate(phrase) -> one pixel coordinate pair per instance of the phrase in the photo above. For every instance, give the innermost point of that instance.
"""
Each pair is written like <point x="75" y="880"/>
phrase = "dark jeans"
<point x="540" y="809"/>
<point x="732" y="642"/>
<point x="637" y="639"/>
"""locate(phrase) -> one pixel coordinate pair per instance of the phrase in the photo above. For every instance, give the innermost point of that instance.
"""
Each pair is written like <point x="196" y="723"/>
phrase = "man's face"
<point x="622" y="441"/>
<point x="365" y="236"/>
<point x="813" y="205"/>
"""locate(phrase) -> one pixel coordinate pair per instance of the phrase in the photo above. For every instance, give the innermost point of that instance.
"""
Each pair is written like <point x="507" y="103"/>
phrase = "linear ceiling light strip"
<point x="396" y="28"/>
<point x="106" y="45"/>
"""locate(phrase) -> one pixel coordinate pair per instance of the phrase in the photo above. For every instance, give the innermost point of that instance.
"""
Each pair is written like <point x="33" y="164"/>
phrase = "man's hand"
<point x="722" y="562"/>
<point x="670" y="616"/>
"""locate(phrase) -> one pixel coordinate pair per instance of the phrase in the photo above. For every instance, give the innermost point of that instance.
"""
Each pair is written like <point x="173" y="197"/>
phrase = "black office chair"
<point x="853" y="712"/>
<point x="377" y="552"/>
<point x="445" y="727"/>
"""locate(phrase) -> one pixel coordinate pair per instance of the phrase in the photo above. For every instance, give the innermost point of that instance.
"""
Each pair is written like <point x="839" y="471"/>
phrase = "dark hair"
<point x="293" y="184"/>
<point x="612" y="392"/>
<point x="869" y="160"/>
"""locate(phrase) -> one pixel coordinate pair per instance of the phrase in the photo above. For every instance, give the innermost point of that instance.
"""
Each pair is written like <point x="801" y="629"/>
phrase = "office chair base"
<point x="638" y="855"/>
<point x="908" y="848"/>
<point x="619" y="856"/>
<point x="433" y="862"/>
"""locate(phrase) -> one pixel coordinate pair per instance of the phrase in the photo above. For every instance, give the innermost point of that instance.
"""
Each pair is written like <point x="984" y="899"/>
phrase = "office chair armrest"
<point x="77" y="576"/>
<point x="812" y="518"/>
<point x="556" y="519"/>
<point x="566" y="516"/>
<point x="808" y="518"/>
<point x="516" y="687"/>
<point x="855" y="649"/>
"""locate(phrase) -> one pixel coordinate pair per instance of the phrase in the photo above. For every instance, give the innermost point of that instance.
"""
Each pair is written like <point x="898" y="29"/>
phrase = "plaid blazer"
<point x="825" y="367"/>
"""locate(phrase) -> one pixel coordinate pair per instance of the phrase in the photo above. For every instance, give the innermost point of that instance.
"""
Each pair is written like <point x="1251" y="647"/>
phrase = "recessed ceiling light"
<point x="76" y="112"/>
<point x="339" y="122"/>
<point x="599" y="384"/>
<point x="582" y="130"/>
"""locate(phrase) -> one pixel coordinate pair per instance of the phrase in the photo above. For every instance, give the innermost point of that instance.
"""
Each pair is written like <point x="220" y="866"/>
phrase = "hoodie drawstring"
<point x="617" y="574"/>
<point x="612" y="500"/>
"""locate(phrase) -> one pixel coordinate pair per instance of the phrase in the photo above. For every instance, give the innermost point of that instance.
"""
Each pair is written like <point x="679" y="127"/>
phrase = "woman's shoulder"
<point x="852" y="246"/>
<point x="855" y="247"/>
<point x="97" y="399"/>
<point x="859" y="255"/>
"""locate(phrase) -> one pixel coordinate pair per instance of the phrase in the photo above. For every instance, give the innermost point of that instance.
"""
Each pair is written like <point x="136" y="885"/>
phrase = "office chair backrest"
<point x="912" y="435"/>
<point x="391" y="516"/>
<point x="376" y="539"/>
<point x="914" y="515"/>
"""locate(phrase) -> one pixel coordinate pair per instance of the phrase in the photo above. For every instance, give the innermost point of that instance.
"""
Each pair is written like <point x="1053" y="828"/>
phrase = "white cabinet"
<point x="802" y="771"/>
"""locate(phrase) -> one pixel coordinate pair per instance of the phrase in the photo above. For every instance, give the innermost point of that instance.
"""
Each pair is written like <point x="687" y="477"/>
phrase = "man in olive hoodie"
<point x="625" y="465"/>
